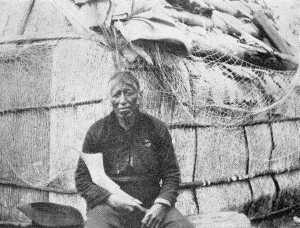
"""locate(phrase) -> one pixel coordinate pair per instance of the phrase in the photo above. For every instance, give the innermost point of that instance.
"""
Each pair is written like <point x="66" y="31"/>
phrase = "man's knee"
<point x="102" y="216"/>
<point x="174" y="219"/>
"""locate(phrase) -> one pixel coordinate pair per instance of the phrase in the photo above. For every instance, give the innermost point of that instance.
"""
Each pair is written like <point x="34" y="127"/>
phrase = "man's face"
<point x="124" y="99"/>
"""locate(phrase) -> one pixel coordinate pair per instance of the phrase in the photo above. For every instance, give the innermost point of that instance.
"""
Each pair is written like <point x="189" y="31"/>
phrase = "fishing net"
<point x="52" y="90"/>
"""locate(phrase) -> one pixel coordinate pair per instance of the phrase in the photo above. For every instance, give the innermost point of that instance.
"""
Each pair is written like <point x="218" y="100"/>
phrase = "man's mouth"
<point x="124" y="109"/>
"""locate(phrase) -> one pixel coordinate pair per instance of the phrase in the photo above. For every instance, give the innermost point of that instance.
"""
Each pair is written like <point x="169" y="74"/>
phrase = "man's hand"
<point x="125" y="204"/>
<point x="155" y="216"/>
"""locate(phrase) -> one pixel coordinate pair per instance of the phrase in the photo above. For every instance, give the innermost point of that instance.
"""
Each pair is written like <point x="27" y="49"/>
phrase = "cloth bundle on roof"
<point x="135" y="19"/>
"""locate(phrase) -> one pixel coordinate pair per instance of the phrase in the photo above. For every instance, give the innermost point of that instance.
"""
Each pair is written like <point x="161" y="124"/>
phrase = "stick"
<point x="242" y="31"/>
<point x="24" y="19"/>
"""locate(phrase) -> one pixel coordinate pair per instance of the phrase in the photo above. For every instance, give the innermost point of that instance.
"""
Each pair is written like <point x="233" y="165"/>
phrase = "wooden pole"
<point x="261" y="20"/>
<point x="23" y="20"/>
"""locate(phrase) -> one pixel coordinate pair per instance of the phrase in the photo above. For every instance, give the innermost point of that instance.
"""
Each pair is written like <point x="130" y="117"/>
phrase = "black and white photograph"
<point x="149" y="114"/>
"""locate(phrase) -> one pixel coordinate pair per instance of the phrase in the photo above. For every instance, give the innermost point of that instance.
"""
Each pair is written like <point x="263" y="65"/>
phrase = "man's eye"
<point x="128" y="93"/>
<point x="117" y="95"/>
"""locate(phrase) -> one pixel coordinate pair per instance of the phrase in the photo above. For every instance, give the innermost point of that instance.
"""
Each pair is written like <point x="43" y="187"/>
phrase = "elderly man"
<point x="139" y="156"/>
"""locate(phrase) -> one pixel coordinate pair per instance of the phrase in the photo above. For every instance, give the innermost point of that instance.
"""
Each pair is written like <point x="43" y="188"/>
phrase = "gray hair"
<point x="126" y="77"/>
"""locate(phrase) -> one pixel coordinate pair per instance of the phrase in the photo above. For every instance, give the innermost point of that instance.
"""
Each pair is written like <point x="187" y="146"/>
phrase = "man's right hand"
<point x="124" y="204"/>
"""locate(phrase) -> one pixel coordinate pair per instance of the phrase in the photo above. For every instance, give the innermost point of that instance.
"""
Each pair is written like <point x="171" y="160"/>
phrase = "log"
<point x="223" y="6"/>
<point x="193" y="6"/>
<point x="231" y="21"/>
<point x="227" y="46"/>
<point x="261" y="20"/>
<point x="235" y="25"/>
<point x="223" y="45"/>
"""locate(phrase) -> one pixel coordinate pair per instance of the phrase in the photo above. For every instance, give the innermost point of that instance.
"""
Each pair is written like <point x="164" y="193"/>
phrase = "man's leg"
<point x="174" y="219"/>
<point x="103" y="216"/>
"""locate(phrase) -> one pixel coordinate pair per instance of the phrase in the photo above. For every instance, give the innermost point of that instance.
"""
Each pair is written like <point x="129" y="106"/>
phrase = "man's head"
<point x="124" y="91"/>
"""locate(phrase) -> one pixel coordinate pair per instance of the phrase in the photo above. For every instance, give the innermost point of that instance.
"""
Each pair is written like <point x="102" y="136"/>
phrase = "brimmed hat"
<point x="52" y="215"/>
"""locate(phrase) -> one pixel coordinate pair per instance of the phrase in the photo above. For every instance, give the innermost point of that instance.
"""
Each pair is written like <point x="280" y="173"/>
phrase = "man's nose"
<point x="122" y="98"/>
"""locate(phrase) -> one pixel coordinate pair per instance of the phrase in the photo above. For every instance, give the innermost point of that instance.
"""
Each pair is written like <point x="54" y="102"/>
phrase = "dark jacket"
<point x="137" y="160"/>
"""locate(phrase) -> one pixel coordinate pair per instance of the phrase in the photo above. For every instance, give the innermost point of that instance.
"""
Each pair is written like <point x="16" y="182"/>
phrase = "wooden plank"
<point x="185" y="147"/>
<point x="45" y="18"/>
<point x="11" y="198"/>
<point x="70" y="200"/>
<point x="264" y="194"/>
<point x="186" y="203"/>
<point x="289" y="190"/>
<point x="221" y="152"/>
<point x="260" y="146"/>
<point x="286" y="152"/>
<point x="235" y="196"/>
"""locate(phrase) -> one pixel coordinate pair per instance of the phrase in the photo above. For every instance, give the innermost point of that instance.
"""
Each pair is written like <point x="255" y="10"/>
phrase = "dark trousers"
<point x="104" y="216"/>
